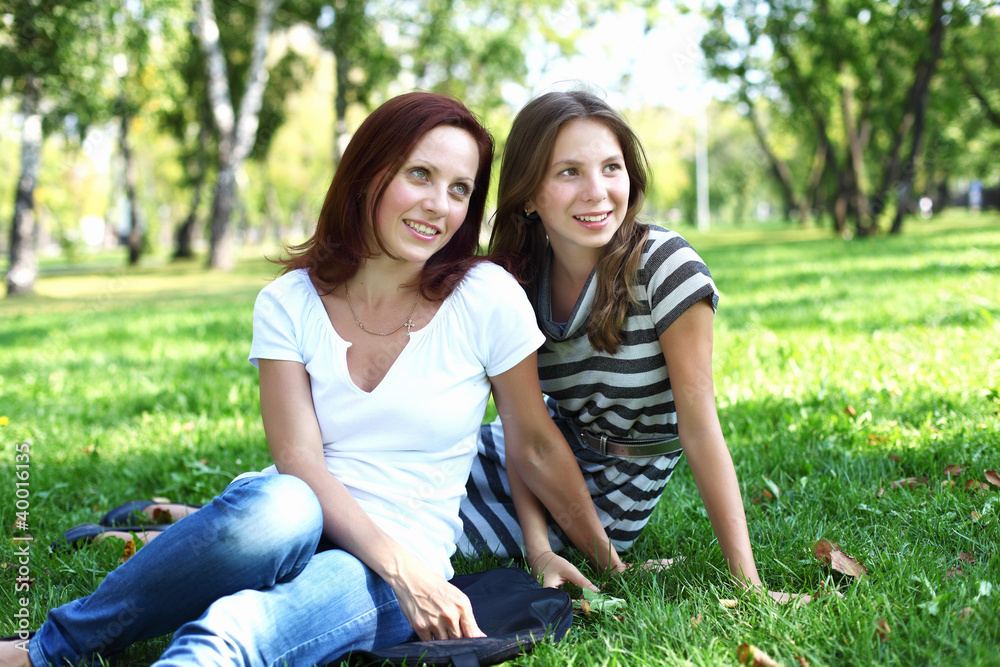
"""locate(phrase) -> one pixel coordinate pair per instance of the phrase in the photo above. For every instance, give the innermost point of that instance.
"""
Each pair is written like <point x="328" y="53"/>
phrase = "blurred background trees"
<point x="191" y="127"/>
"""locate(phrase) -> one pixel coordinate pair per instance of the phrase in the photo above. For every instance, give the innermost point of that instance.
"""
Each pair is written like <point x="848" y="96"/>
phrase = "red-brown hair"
<point x="381" y="145"/>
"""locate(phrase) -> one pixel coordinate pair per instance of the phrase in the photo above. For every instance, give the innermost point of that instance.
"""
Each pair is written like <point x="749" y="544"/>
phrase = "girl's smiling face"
<point x="583" y="196"/>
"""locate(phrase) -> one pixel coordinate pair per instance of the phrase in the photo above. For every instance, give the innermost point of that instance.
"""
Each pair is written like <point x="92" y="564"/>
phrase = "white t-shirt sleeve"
<point x="275" y="330"/>
<point x="509" y="331"/>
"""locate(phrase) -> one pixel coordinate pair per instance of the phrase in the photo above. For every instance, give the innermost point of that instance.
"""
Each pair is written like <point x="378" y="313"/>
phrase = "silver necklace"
<point x="408" y="322"/>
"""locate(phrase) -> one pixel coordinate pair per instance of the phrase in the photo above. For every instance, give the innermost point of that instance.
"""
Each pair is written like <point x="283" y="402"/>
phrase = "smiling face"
<point x="583" y="196"/>
<point x="427" y="200"/>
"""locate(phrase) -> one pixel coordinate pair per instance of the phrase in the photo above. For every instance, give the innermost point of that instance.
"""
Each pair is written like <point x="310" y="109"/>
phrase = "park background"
<point x="153" y="152"/>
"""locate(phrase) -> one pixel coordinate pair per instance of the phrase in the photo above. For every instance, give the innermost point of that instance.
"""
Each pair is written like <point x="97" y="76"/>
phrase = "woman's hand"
<point x="434" y="608"/>
<point x="555" y="571"/>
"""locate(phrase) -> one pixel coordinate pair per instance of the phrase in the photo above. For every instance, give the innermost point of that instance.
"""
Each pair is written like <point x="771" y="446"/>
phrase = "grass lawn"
<point x="858" y="386"/>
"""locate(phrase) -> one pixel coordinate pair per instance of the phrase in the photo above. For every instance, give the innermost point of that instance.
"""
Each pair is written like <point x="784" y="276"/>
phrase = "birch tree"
<point x="50" y="49"/>
<point x="236" y="126"/>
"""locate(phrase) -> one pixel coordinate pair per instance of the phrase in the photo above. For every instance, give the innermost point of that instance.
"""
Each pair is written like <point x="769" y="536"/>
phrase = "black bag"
<point x="512" y="609"/>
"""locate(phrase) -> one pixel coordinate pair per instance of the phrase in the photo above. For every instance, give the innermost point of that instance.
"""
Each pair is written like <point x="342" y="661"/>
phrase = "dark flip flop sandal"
<point x="77" y="536"/>
<point x="127" y="514"/>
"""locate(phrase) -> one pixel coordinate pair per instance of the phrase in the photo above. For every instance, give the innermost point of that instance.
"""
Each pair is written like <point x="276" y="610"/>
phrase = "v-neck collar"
<point x="581" y="310"/>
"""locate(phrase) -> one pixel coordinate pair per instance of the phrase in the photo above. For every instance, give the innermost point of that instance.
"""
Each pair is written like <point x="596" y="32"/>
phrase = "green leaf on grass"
<point x="985" y="589"/>
<point x="601" y="602"/>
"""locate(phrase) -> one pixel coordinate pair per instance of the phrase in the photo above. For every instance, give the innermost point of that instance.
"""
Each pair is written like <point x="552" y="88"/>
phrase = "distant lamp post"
<point x="701" y="166"/>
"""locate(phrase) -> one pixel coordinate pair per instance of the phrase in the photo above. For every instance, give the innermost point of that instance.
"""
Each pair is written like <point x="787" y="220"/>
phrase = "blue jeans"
<point x="241" y="583"/>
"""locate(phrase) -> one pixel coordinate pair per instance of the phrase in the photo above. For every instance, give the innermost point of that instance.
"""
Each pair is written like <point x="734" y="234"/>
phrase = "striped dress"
<point x="624" y="395"/>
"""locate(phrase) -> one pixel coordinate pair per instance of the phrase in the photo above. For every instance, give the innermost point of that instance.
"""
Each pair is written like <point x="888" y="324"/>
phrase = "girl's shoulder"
<point x="664" y="244"/>
<point x="661" y="236"/>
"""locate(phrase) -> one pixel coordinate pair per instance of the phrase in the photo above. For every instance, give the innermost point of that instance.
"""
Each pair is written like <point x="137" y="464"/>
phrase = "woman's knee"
<point x="273" y="508"/>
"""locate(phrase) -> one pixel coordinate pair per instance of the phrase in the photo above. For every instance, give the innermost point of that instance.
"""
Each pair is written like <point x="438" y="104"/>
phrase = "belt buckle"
<point x="604" y="443"/>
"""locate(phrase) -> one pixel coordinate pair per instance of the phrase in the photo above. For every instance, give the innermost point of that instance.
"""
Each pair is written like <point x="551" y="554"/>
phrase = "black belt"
<point x="629" y="449"/>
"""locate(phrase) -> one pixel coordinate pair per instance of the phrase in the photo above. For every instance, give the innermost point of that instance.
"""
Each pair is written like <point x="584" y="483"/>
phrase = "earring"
<point x="530" y="214"/>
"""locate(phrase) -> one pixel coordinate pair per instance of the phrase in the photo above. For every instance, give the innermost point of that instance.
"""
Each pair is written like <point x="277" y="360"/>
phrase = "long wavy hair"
<point x="519" y="243"/>
<point x="341" y="241"/>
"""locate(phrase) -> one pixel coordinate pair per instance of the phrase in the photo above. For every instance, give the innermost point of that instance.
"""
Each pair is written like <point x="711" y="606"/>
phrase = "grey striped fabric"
<point x="625" y="395"/>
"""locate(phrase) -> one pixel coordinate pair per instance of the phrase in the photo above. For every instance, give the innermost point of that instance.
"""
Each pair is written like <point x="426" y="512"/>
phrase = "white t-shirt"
<point x="404" y="450"/>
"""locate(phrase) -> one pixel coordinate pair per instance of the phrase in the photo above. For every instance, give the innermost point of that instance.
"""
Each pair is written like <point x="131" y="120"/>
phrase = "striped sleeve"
<point x="675" y="278"/>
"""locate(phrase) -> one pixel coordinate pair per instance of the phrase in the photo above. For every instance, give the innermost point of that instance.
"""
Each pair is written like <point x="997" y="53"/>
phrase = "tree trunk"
<point x="136" y="237"/>
<point x="237" y="131"/>
<point x="779" y="168"/>
<point x="184" y="237"/>
<point x="185" y="233"/>
<point x="838" y="208"/>
<point x="926" y="68"/>
<point x="23" y="269"/>
<point x="221" y="251"/>
<point x="859" y="200"/>
<point x="815" y="178"/>
<point x="340" y="137"/>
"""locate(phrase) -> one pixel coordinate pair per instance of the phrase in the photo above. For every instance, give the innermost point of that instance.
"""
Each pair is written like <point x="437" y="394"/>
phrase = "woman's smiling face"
<point x="427" y="200"/>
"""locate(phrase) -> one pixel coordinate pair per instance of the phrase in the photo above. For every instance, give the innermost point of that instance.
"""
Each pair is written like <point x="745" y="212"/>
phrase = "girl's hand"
<point x="798" y="599"/>
<point x="434" y="608"/>
<point x="555" y="571"/>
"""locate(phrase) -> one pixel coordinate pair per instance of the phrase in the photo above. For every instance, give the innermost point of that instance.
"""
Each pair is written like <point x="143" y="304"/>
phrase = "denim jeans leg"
<point x="335" y="605"/>
<point x="260" y="531"/>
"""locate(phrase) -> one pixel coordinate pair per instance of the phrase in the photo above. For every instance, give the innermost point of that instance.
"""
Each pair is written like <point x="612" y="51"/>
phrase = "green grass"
<point x="841" y="367"/>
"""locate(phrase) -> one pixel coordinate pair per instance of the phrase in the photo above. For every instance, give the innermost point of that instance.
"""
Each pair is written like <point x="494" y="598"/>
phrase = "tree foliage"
<point x="856" y="82"/>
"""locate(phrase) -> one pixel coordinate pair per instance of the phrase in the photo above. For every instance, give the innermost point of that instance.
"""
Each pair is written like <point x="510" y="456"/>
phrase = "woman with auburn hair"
<point x="627" y="310"/>
<point x="377" y="350"/>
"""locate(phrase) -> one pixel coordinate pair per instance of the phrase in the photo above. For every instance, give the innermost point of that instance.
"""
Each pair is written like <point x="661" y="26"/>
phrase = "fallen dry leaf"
<point x="993" y="477"/>
<point x="882" y="629"/>
<point x="910" y="482"/>
<point x="894" y="458"/>
<point x="128" y="551"/>
<point x="582" y="607"/>
<point x="747" y="654"/>
<point x="823" y="548"/>
<point x="162" y="516"/>
<point x="976" y="516"/>
<point x="952" y="471"/>
<point x="953" y="572"/>
<point x="850" y="411"/>
<point x="967" y="557"/>
<point x="696" y="621"/>
<point x="829" y="552"/>
<point x="848" y="565"/>
<point x="964" y="613"/>
<point x="802" y="661"/>
<point x="976" y="485"/>
<point x="729" y="604"/>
